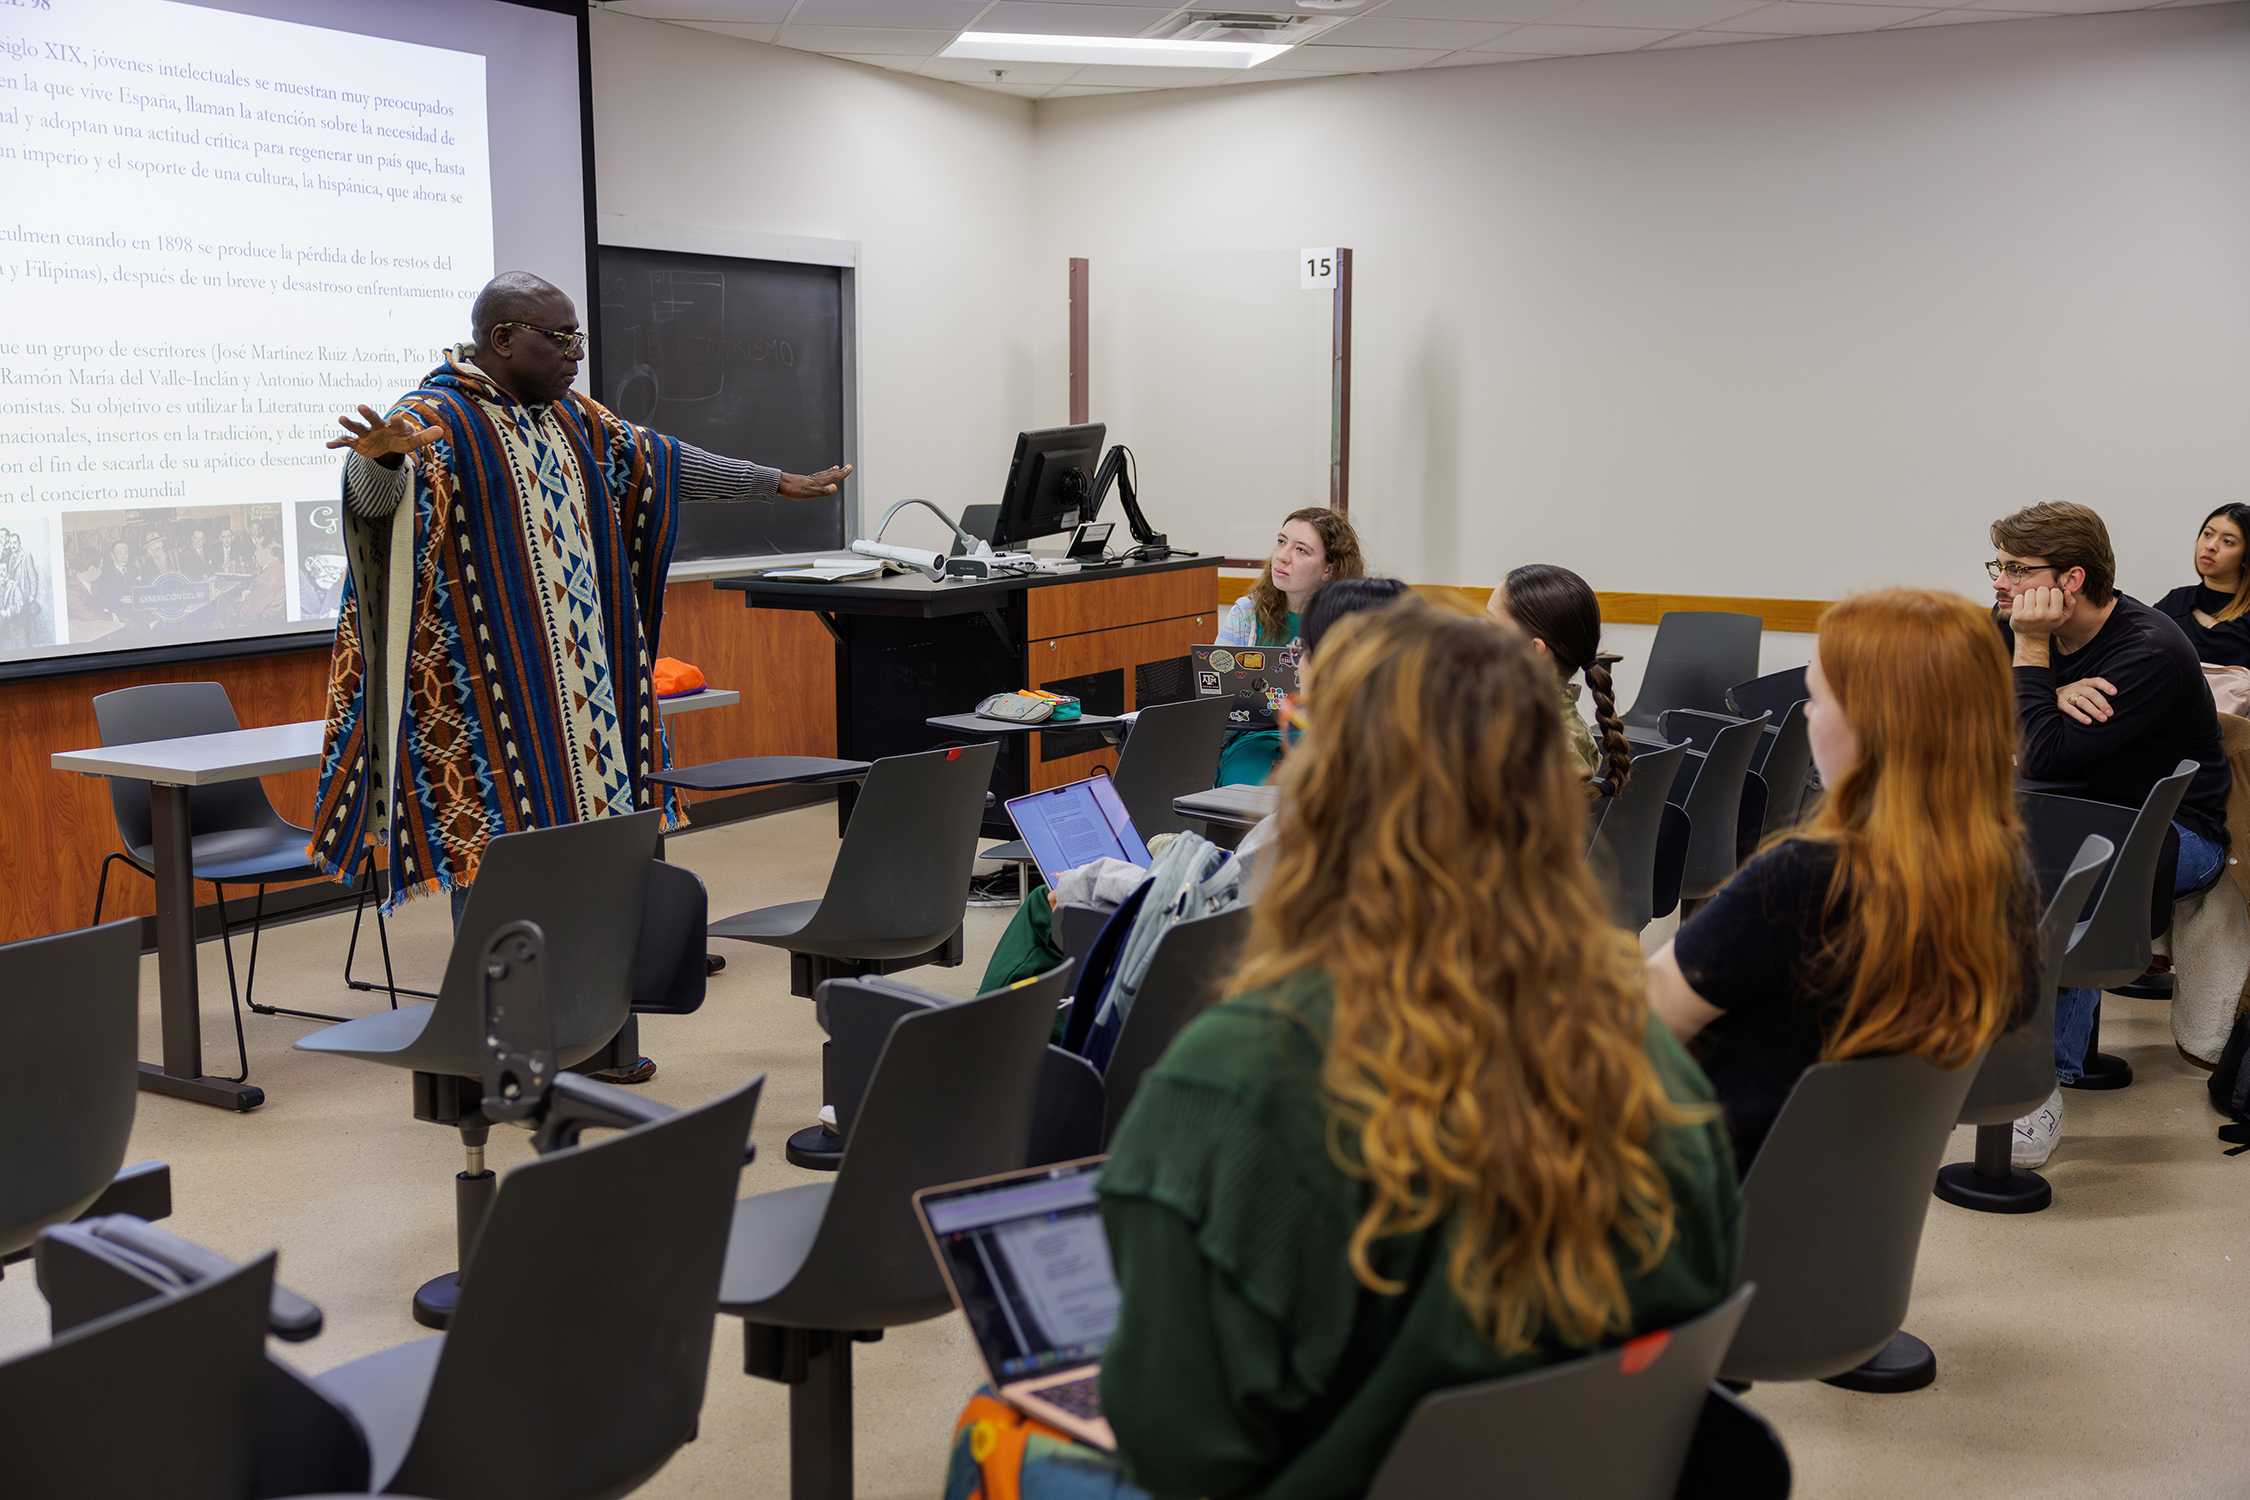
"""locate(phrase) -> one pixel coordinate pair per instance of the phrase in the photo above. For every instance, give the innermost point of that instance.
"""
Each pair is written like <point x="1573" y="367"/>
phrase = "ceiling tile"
<point x="1049" y="18"/>
<point x="1578" y="41"/>
<point x="1495" y="11"/>
<point x="1400" y="31"/>
<point x="979" y="72"/>
<point x="1486" y="59"/>
<point x="1811" y="18"/>
<point x="1712" y="39"/>
<point x="747" y="11"/>
<point x="909" y="14"/>
<point x="731" y="28"/>
<point x="1360" y="59"/>
<point x="1153" y="78"/>
<point x="865" y="39"/>
<point x="1956" y="17"/>
<point x="1671" y="15"/>
<point x="2070" y="7"/>
<point x="896" y="62"/>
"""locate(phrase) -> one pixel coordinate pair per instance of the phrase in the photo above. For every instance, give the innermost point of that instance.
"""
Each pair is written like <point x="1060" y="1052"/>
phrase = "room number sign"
<point x="1316" y="270"/>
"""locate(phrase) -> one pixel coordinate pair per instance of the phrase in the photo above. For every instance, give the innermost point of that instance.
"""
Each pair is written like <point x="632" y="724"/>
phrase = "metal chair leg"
<point x="250" y="985"/>
<point x="101" y="890"/>
<point x="390" y="980"/>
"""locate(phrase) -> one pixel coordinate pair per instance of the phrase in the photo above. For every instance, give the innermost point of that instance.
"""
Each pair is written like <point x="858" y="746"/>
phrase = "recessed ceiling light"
<point x="1116" y="51"/>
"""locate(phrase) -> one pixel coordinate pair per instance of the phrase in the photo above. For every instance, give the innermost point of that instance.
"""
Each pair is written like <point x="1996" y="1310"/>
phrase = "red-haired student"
<point x="1899" y="920"/>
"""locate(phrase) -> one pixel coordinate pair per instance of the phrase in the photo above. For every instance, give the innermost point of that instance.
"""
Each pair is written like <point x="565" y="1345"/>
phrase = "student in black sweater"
<point x="1899" y="920"/>
<point x="2109" y="698"/>
<point x="2214" y="612"/>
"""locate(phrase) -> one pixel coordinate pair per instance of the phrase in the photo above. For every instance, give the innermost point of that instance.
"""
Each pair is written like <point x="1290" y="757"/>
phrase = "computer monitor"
<point x="1049" y="484"/>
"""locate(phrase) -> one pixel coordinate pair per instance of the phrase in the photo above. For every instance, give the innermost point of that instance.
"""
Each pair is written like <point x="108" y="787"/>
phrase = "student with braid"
<point x="1559" y="612"/>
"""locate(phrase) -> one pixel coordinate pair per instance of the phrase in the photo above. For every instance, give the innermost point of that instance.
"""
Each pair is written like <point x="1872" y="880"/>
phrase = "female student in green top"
<point x="1315" y="544"/>
<point x="1420" y="1144"/>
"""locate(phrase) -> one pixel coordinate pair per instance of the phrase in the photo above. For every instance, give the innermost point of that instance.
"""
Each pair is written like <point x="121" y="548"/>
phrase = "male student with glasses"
<point x="2109" y="698"/>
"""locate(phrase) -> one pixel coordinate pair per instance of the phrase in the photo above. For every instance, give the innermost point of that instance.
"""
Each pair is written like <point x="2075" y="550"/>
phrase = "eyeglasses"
<point x="2015" y="572"/>
<point x="573" y="343"/>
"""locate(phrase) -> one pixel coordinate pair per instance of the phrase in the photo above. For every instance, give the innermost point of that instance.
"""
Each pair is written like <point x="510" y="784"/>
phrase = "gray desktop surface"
<point x="913" y="594"/>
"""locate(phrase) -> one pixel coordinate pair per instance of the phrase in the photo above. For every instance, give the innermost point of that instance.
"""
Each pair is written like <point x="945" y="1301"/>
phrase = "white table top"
<point x="206" y="759"/>
<point x="203" y="759"/>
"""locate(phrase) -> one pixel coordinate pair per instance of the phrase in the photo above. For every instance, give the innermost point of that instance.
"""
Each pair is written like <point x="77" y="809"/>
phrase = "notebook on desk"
<point x="1069" y="826"/>
<point x="1027" y="1262"/>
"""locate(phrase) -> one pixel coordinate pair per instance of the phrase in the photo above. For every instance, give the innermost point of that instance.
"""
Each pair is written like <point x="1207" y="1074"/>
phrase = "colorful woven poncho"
<point x="492" y="667"/>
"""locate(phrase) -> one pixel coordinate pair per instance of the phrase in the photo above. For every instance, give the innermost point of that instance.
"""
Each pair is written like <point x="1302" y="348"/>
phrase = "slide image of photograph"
<point x="320" y="558"/>
<point x="27" y="595"/>
<point x="163" y="573"/>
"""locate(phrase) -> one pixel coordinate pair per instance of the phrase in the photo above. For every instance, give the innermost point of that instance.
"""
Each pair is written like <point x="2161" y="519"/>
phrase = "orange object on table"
<point x="675" y="677"/>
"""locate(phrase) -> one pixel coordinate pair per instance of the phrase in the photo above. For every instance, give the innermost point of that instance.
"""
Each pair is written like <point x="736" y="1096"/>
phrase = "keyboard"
<point x="1081" y="1398"/>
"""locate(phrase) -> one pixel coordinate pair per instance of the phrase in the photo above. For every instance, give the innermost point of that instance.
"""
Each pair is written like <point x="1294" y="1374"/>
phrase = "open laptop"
<point x="1069" y="826"/>
<point x="1027" y="1262"/>
<point x="1257" y="678"/>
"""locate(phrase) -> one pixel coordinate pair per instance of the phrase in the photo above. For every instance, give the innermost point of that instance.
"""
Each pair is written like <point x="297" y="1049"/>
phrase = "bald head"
<point x="516" y="297"/>
<point x="527" y="336"/>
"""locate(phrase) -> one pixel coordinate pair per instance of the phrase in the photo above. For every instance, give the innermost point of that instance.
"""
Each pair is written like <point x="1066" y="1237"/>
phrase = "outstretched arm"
<point x="707" y="477"/>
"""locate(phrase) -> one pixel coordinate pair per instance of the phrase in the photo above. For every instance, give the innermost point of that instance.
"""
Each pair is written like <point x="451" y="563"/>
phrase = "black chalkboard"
<point x="740" y="357"/>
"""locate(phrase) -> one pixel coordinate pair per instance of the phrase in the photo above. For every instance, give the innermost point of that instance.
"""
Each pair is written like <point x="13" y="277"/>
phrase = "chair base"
<point x="226" y="1093"/>
<point x="712" y="964"/>
<point x="434" y="1300"/>
<point x="815" y="1148"/>
<point x="2103" y="1070"/>
<point x="816" y="1365"/>
<point x="1904" y="1364"/>
<point x="2020" y="1192"/>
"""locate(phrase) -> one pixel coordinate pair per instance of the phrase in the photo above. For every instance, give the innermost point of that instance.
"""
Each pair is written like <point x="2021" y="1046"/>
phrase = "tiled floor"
<point x="2094" y="1349"/>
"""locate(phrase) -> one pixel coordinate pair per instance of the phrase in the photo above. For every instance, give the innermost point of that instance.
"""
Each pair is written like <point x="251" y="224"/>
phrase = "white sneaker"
<point x="2038" y="1133"/>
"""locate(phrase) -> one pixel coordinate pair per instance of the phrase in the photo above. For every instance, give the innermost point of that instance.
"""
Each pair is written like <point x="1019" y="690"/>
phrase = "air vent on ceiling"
<point x="1237" y="26"/>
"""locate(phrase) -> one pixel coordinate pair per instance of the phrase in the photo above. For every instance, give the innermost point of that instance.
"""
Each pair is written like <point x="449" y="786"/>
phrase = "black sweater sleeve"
<point x="2053" y="745"/>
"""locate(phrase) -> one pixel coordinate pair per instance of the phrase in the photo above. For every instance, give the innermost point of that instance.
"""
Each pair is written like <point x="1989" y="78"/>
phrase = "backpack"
<point x="1192" y="878"/>
<point x="2230" y="1085"/>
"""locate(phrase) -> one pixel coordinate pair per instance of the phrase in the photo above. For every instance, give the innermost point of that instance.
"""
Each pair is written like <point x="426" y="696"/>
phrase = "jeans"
<point x="460" y="894"/>
<point x="2201" y="862"/>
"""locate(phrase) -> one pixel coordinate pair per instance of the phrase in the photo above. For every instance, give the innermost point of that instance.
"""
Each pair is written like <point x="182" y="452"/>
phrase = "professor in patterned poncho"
<point x="508" y="541"/>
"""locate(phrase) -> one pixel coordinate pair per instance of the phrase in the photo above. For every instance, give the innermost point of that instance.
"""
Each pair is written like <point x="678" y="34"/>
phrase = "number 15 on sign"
<point x="1316" y="270"/>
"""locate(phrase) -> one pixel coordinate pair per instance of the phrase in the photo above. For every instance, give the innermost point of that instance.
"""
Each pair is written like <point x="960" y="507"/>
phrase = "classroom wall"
<point x="1781" y="319"/>
<point x="933" y="180"/>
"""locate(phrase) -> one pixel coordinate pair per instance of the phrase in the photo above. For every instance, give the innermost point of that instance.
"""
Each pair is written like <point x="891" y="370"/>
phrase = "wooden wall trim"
<point x="1797" y="615"/>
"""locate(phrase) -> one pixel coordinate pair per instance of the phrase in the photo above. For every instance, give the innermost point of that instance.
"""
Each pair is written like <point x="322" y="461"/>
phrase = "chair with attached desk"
<point x="1832" y="1214"/>
<point x="1724" y="799"/>
<point x="238" y="837"/>
<point x="160" y="1398"/>
<point x="2019" y="1071"/>
<point x="1172" y="752"/>
<point x="70" y="1012"/>
<point x="2113" y="938"/>
<point x="813" y="1270"/>
<point x="896" y="894"/>
<point x="592" y="921"/>
<point x="1617" y="1425"/>
<point x="1625" y="845"/>
<point x="1696" y="655"/>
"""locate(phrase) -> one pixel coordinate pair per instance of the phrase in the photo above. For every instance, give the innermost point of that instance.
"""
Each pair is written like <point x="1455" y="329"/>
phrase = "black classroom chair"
<point x="1695" y="656"/>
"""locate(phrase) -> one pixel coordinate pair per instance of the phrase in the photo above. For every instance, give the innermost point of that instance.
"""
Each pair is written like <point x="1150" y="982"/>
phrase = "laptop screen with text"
<point x="1075" y="825"/>
<point x="1030" y="1263"/>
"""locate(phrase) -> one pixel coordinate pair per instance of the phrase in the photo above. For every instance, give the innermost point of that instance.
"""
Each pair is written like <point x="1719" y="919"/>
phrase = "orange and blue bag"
<point x="676" y="678"/>
<point x="1001" y="1454"/>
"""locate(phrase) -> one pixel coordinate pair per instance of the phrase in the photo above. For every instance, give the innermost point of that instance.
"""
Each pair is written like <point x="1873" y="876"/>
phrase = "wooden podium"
<point x="908" y="649"/>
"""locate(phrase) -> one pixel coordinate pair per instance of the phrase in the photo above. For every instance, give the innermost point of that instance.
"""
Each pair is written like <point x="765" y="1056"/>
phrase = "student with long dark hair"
<point x="1557" y="609"/>
<point x="2214" y="611"/>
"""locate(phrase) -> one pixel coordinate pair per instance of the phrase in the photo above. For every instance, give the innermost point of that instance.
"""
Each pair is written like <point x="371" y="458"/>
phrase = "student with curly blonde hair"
<point x="1432" y="1136"/>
